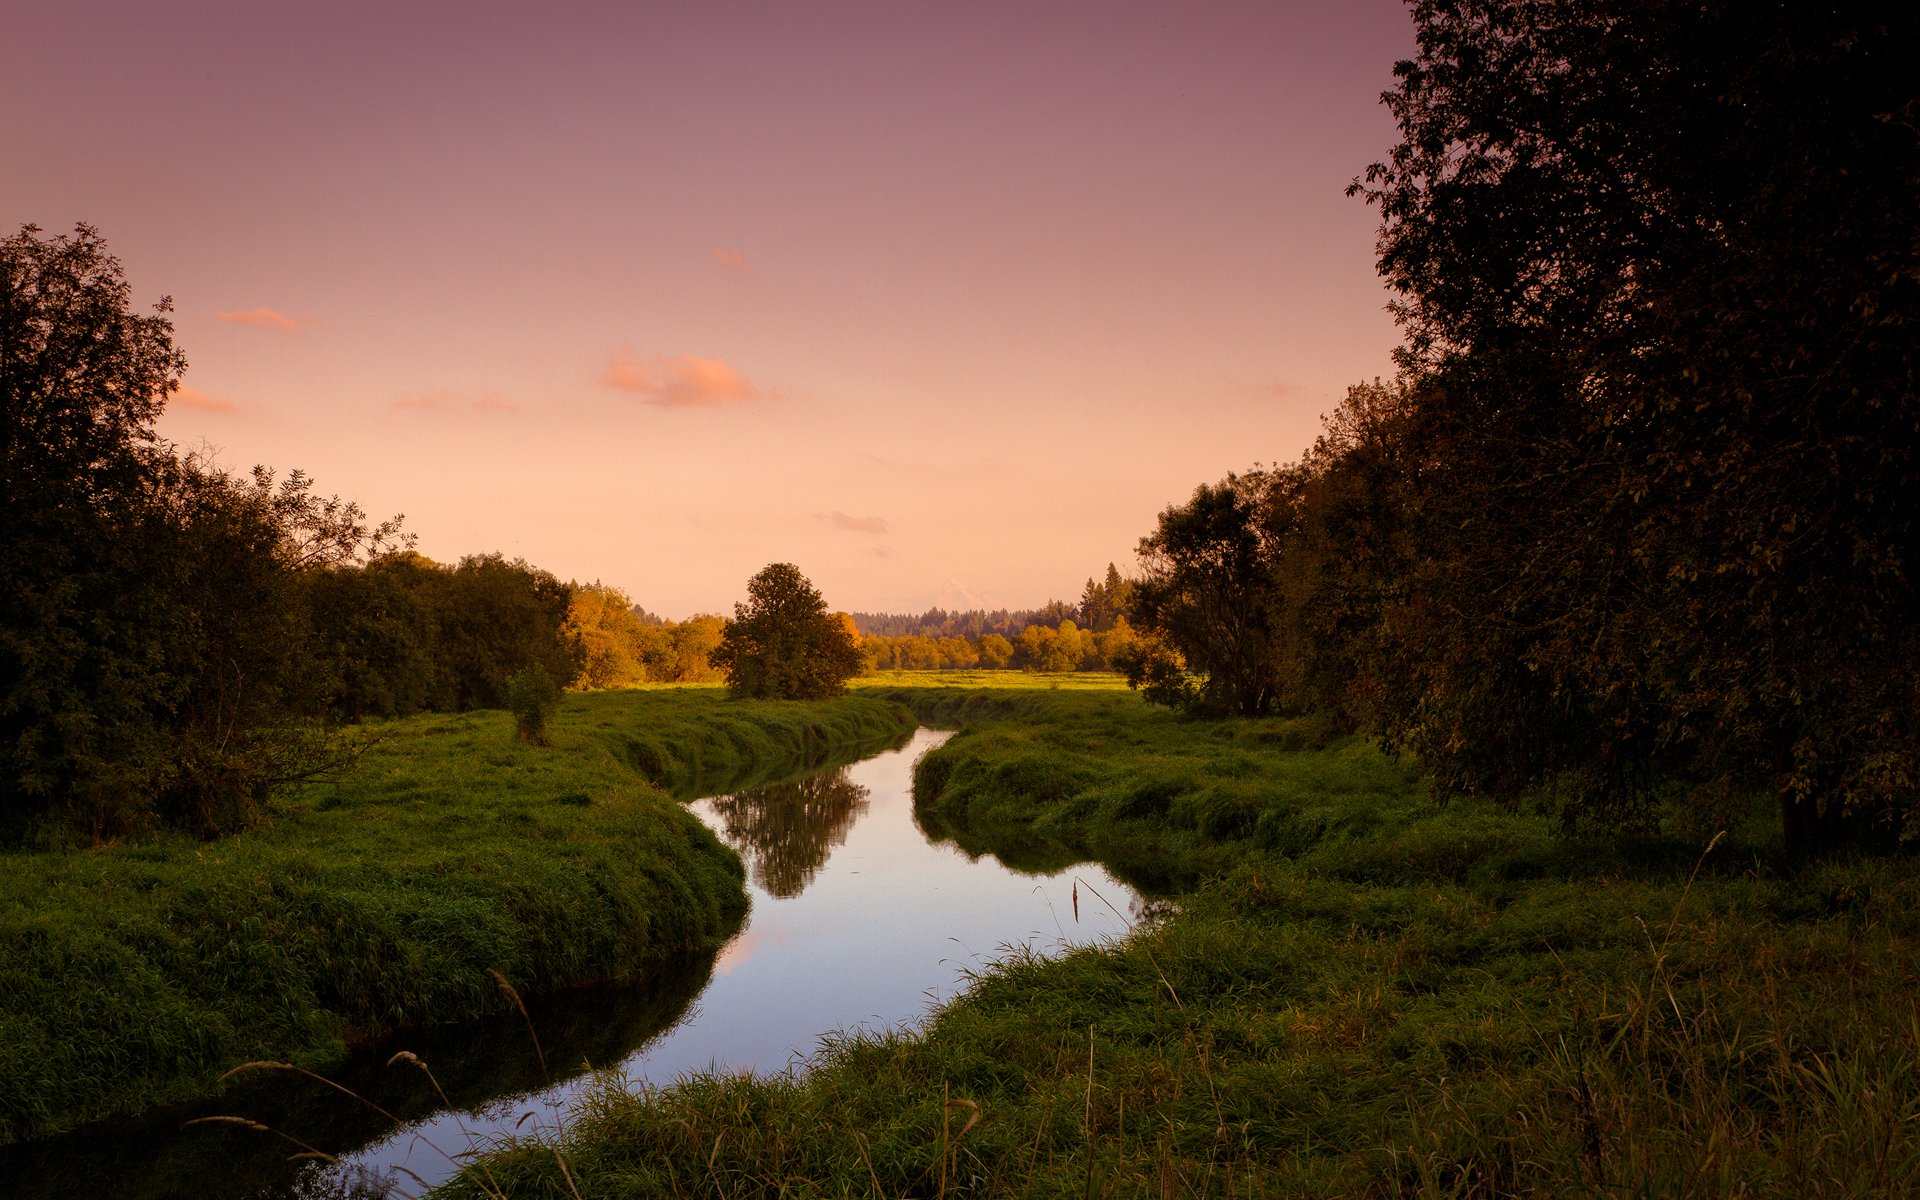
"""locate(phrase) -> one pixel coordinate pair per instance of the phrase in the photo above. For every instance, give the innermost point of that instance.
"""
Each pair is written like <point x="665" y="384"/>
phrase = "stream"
<point x="859" y="920"/>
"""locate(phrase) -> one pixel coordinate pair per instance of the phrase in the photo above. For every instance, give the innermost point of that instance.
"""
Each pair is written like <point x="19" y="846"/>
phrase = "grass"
<point x="995" y="681"/>
<point x="1360" y="993"/>
<point x="133" y="975"/>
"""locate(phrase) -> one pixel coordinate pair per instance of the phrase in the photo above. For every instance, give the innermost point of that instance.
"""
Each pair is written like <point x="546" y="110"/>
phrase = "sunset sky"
<point x="941" y="302"/>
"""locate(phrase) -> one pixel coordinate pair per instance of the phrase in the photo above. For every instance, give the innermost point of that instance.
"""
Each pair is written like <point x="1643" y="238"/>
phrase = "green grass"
<point x="1360" y="993"/>
<point x="134" y="975"/>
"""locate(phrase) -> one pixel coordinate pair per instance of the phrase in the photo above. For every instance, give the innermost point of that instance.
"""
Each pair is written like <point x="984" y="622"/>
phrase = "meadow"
<point x="451" y="863"/>
<point x="1358" y="991"/>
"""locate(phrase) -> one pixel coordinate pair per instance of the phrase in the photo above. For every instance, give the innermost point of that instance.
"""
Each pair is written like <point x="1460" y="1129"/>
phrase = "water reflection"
<point x="785" y="831"/>
<point x="476" y="1063"/>
<point x="1020" y="849"/>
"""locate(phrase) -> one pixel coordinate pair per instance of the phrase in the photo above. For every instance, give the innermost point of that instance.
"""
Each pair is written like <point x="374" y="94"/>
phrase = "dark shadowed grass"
<point x="132" y="975"/>
<point x="1363" y="993"/>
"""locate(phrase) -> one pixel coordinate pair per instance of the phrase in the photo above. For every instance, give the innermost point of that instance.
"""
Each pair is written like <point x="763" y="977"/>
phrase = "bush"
<point x="532" y="694"/>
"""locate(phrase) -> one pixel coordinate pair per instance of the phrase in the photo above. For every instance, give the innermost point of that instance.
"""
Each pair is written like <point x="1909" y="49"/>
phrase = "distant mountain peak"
<point x="955" y="596"/>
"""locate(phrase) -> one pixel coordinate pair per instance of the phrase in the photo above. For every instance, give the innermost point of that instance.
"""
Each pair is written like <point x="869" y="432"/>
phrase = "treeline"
<point x="1093" y="635"/>
<point x="175" y="639"/>
<point x="623" y="644"/>
<point x="1635" y="530"/>
<point x="1063" y="647"/>
<point x="972" y="623"/>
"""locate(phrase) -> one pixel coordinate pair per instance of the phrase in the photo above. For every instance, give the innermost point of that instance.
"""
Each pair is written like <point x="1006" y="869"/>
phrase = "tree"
<point x="1103" y="603"/>
<point x="82" y="377"/>
<point x="694" y="642"/>
<point x="959" y="652"/>
<point x="614" y="642"/>
<point x="783" y="644"/>
<point x="1659" y="270"/>
<point x="155" y="660"/>
<point x="496" y="617"/>
<point x="374" y="637"/>
<point x="1206" y="592"/>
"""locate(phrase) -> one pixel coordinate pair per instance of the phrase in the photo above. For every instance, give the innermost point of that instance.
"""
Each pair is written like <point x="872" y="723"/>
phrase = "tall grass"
<point x="1360" y="993"/>
<point x="133" y="975"/>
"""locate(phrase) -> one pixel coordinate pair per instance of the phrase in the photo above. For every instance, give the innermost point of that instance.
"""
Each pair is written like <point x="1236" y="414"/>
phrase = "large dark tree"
<point x="155" y="662"/>
<point x="1659" y="265"/>
<point x="82" y="609"/>
<point x="783" y="644"/>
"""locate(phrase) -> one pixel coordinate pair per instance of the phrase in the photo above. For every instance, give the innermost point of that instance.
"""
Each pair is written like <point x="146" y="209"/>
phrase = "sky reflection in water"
<point x="858" y="921"/>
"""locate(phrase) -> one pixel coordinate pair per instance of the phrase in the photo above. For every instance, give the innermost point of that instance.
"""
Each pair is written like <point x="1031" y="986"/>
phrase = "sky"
<point x="941" y="302"/>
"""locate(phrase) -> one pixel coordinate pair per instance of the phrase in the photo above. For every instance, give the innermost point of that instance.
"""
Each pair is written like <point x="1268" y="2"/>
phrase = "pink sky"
<point x="919" y="297"/>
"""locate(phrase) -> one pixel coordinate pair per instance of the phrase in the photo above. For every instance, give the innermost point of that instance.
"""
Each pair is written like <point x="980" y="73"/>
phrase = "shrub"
<point x="532" y="694"/>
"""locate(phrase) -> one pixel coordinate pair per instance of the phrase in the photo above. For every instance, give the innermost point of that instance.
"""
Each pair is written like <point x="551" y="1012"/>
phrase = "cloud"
<point x="883" y="552"/>
<point x="857" y="524"/>
<point x="191" y="397"/>
<point x="446" y="400"/>
<point x="737" y="951"/>
<point x="680" y="381"/>
<point x="733" y="260"/>
<point x="263" y="318"/>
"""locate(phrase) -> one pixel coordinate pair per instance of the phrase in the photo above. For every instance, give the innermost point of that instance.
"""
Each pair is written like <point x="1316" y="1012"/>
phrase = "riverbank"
<point x="133" y="975"/>
<point x="1367" y="994"/>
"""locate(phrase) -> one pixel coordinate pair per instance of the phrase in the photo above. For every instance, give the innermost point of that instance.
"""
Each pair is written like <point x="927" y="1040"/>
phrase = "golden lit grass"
<point x="1065" y="681"/>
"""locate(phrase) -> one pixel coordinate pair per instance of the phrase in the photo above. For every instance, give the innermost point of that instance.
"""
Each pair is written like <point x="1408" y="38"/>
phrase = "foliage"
<point x="617" y="647"/>
<point x="972" y="624"/>
<point x="82" y="378"/>
<point x="1206" y="592"/>
<point x="1038" y="648"/>
<point x="1657" y="264"/>
<point x="1107" y="602"/>
<point x="624" y="645"/>
<point x="135" y="974"/>
<point x="532" y="696"/>
<point x="150" y="629"/>
<point x="783" y="643"/>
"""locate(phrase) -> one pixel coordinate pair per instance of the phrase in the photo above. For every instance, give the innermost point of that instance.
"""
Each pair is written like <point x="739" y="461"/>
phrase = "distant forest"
<point x="1101" y="602"/>
<point x="624" y="644"/>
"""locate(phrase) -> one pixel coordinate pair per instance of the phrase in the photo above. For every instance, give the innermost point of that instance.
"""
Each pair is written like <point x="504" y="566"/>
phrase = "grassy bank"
<point x="133" y="975"/>
<point x="1369" y="994"/>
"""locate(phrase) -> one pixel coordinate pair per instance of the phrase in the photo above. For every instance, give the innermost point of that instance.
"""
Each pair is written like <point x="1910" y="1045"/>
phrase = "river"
<point x="859" y="920"/>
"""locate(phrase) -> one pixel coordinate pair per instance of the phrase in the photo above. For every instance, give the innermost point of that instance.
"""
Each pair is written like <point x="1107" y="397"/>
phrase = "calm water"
<point x="858" y="921"/>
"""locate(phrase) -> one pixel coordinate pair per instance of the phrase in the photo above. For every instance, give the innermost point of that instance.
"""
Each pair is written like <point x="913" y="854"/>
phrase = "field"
<point x="133" y="975"/>
<point x="1359" y="992"/>
<point x="973" y="681"/>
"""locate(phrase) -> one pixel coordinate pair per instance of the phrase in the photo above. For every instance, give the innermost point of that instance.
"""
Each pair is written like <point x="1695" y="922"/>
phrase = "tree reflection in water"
<point x="786" y="830"/>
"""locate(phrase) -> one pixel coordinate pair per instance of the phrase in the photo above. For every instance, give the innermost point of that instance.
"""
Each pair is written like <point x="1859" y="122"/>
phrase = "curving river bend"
<point x="859" y="919"/>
